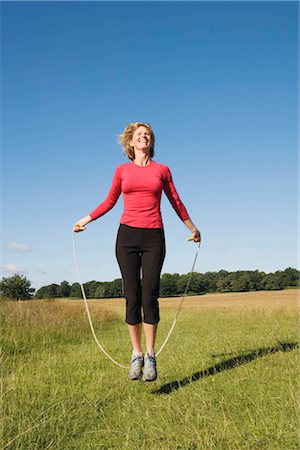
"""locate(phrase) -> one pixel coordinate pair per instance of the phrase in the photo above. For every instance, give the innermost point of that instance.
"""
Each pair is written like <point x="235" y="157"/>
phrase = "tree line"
<point x="18" y="287"/>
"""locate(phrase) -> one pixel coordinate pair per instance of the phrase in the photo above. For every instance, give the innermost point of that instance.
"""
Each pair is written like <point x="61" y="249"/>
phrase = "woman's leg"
<point x="152" y="261"/>
<point x="150" y="335"/>
<point x="129" y="259"/>
<point x="135" y="333"/>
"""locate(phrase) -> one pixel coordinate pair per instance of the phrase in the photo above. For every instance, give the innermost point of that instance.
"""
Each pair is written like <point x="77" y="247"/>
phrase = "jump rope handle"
<point x="81" y="228"/>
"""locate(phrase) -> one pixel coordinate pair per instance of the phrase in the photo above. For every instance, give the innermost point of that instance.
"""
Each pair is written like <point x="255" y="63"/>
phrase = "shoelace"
<point x="137" y="359"/>
<point x="151" y="360"/>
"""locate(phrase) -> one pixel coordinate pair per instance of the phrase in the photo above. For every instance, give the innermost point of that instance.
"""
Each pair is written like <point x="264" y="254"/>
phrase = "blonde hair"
<point x="126" y="137"/>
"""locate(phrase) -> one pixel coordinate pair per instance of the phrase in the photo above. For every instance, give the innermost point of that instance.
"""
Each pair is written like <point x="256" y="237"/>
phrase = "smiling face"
<point x="141" y="139"/>
<point x="132" y="142"/>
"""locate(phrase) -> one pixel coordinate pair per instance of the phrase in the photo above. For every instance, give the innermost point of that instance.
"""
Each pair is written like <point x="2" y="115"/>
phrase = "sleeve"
<point x="112" y="197"/>
<point x="173" y="196"/>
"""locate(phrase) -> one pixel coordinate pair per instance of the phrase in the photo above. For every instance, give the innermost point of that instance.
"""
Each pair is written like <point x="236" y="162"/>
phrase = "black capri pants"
<point x="140" y="253"/>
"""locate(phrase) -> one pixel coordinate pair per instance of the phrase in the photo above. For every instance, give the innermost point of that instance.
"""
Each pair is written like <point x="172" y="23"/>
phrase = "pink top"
<point x="141" y="187"/>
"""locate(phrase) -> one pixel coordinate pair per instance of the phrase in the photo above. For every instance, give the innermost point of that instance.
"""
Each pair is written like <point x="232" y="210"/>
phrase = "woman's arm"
<point x="112" y="196"/>
<point x="105" y="206"/>
<point x="196" y="237"/>
<point x="173" y="197"/>
<point x="179" y="207"/>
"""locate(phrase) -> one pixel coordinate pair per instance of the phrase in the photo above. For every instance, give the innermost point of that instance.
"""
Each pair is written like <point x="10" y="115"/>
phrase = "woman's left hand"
<point x="81" y="224"/>
<point x="196" y="237"/>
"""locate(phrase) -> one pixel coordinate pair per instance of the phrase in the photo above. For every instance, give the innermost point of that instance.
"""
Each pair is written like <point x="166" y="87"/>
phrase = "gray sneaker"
<point x="150" y="372"/>
<point x="137" y="363"/>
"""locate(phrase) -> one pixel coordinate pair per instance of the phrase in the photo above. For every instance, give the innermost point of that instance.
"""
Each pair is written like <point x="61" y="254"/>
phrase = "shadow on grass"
<point x="225" y="365"/>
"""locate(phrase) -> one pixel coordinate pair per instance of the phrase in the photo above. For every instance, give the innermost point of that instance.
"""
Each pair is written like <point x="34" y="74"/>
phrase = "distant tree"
<point x="242" y="283"/>
<point x="256" y="278"/>
<point x="63" y="289"/>
<point x="222" y="273"/>
<point x="209" y="281"/>
<point x="17" y="287"/>
<point x="168" y="284"/>
<point x="90" y="288"/>
<point x="223" y="283"/>
<point x="174" y="284"/>
<point x="231" y="279"/>
<point x="50" y="291"/>
<point x="75" y="291"/>
<point x="196" y="285"/>
<point x="272" y="281"/>
<point x="102" y="290"/>
<point x="290" y="277"/>
<point x="181" y="283"/>
<point x="110" y="289"/>
<point x="42" y="292"/>
<point x="238" y="281"/>
<point x="116" y="288"/>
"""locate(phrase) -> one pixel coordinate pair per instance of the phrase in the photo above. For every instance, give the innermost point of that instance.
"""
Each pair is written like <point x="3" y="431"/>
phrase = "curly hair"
<point x="126" y="137"/>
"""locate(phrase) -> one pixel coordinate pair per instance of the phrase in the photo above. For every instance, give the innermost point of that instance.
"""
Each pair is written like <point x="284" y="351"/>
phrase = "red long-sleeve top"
<point x="141" y="187"/>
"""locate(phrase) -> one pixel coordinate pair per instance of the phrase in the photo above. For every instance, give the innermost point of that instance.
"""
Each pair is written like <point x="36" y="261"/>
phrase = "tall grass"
<point x="228" y="379"/>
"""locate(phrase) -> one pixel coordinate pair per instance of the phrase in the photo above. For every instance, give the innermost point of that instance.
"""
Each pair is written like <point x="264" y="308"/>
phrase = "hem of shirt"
<point x="142" y="228"/>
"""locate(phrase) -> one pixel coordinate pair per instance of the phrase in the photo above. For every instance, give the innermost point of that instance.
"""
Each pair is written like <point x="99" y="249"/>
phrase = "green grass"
<point x="228" y="378"/>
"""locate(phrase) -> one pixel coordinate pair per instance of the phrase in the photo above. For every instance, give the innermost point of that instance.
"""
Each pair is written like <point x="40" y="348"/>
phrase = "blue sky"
<point x="218" y="83"/>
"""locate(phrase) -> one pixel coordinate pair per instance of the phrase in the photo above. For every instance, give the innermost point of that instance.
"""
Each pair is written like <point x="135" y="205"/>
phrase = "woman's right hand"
<point x="80" y="225"/>
<point x="196" y="237"/>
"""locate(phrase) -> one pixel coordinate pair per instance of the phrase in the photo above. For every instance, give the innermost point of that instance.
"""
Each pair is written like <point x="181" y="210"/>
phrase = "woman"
<point x="140" y="246"/>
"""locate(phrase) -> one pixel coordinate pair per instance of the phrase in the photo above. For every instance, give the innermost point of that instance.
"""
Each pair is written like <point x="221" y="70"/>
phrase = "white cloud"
<point x="11" y="269"/>
<point x="17" y="247"/>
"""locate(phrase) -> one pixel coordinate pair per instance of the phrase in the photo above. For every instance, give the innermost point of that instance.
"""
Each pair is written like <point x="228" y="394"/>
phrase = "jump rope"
<point x="89" y="314"/>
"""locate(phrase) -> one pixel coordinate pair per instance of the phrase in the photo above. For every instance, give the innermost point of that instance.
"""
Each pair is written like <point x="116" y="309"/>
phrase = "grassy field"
<point x="228" y="378"/>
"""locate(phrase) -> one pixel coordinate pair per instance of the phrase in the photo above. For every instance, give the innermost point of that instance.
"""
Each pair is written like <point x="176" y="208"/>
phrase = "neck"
<point x="141" y="158"/>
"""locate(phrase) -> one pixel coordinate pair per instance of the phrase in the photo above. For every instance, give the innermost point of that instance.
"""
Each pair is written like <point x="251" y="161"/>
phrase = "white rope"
<point x="180" y="305"/>
<point x="89" y="315"/>
<point x="87" y="308"/>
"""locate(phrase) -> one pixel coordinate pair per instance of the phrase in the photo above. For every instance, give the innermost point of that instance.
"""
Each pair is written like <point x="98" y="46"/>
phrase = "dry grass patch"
<point x="289" y="299"/>
<point x="51" y="313"/>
